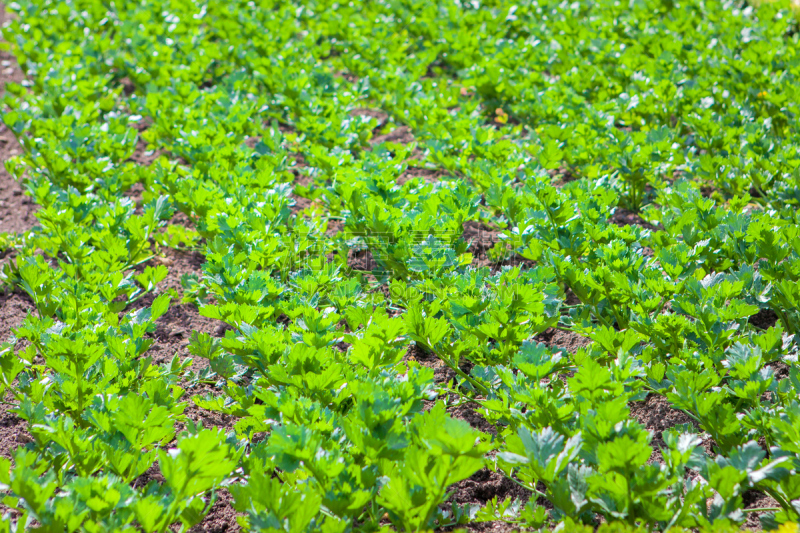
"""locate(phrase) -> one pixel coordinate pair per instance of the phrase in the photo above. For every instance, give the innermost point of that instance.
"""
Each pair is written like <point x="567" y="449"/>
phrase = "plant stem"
<point x="466" y="376"/>
<point x="538" y="493"/>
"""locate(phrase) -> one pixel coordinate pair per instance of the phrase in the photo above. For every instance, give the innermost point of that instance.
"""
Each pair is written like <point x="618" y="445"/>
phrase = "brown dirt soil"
<point x="441" y="372"/>
<point x="172" y="336"/>
<point x="481" y="487"/>
<point x="780" y="368"/>
<point x="221" y="518"/>
<point x="427" y="175"/>
<point x="16" y="216"/>
<point x="623" y="217"/>
<point x="481" y="239"/>
<point x="173" y="331"/>
<point x="174" y="328"/>
<point x="764" y="319"/>
<point x="381" y="117"/>
<point x="557" y="338"/>
<point x="361" y="260"/>
<point x="13" y="432"/>
<point x="16" y="209"/>
<point x="491" y="527"/>
<point x="14" y="307"/>
<point x="468" y="413"/>
<point x="756" y="500"/>
<point x="142" y="156"/>
<point x="400" y="135"/>
<point x="657" y="415"/>
<point x="561" y="176"/>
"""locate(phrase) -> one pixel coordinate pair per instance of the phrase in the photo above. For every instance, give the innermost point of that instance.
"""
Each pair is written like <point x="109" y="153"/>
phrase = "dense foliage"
<point x="294" y="137"/>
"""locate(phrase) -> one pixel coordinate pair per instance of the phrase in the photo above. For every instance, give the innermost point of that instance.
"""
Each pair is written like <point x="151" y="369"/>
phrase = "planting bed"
<point x="399" y="265"/>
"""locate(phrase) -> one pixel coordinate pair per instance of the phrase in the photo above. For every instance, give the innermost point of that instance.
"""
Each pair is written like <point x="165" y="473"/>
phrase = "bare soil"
<point x="221" y="518"/>
<point x="559" y="338"/>
<point x="483" y="486"/>
<point x="764" y="319"/>
<point x="16" y="209"/>
<point x="481" y="239"/>
<point x="16" y="216"/>
<point x="623" y="217"/>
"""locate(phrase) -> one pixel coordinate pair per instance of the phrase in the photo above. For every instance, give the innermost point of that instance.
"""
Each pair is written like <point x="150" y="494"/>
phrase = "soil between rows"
<point x="16" y="209"/>
<point x="16" y="216"/>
